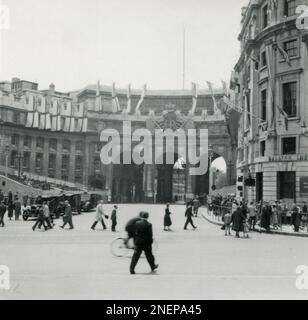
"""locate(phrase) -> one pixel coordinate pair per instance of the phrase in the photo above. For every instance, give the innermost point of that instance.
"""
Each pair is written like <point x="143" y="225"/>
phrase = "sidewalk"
<point x="286" y="230"/>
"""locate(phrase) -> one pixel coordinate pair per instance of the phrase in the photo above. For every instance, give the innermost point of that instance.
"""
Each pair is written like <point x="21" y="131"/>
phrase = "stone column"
<point x="59" y="160"/>
<point x="148" y="175"/>
<point x="109" y="178"/>
<point x="71" y="175"/>
<point x="87" y="165"/>
<point x="33" y="155"/>
<point x="45" y="158"/>
<point x="189" y="187"/>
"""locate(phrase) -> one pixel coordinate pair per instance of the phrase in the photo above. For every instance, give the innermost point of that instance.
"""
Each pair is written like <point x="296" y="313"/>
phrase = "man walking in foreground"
<point x="143" y="242"/>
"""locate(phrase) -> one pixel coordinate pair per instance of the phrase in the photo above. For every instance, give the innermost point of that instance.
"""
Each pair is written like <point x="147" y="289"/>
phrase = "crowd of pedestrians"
<point x="244" y="216"/>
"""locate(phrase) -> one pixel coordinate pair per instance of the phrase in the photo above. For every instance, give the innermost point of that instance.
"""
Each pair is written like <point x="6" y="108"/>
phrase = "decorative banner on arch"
<point x="45" y="113"/>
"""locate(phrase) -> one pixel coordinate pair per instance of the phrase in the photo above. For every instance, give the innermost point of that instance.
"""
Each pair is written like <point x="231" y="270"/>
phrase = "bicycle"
<point x="120" y="247"/>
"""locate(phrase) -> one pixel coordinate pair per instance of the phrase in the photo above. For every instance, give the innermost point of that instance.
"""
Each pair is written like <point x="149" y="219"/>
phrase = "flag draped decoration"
<point x="271" y="82"/>
<point x="98" y="100"/>
<point x="79" y="115"/>
<point x="216" y="109"/>
<point x="285" y="117"/>
<point x="30" y="113"/>
<point x="115" y="101"/>
<point x="129" y="99"/>
<point x="59" y="110"/>
<point x="224" y="87"/>
<point x="73" y="117"/>
<point x="284" y="54"/>
<point x="54" y="112"/>
<point x="85" y="118"/>
<point x="247" y="104"/>
<point x="139" y="105"/>
<point x="195" y="98"/>
<point x="42" y="113"/>
<point x="48" y="115"/>
<point x="35" y="113"/>
<point x="67" y="114"/>
<point x="256" y="61"/>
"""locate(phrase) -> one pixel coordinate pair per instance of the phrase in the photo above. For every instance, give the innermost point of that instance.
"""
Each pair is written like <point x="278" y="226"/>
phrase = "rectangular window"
<point x="263" y="59"/>
<point x="13" y="161"/>
<point x="264" y="104"/>
<point x="15" y="140"/>
<point x="78" y="166"/>
<point x="265" y="16"/>
<point x="67" y="145"/>
<point x="27" y="141"/>
<point x="262" y="148"/>
<point x="52" y="166"/>
<point x="290" y="99"/>
<point x="26" y="161"/>
<point x="289" y="145"/>
<point x="65" y="167"/>
<point x="286" y="185"/>
<point x="40" y="143"/>
<point x="38" y="163"/>
<point x="290" y="8"/>
<point x="65" y="162"/>
<point x="53" y="144"/>
<point x="16" y="117"/>
<point x="79" y="146"/>
<point x="291" y="48"/>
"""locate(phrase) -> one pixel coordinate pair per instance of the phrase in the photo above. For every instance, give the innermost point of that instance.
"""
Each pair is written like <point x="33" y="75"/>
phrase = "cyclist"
<point x="131" y="227"/>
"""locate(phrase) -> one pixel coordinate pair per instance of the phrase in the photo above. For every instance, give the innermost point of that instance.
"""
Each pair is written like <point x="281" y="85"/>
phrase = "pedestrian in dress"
<point x="2" y="213"/>
<point x="237" y="221"/>
<point x="275" y="221"/>
<point x="167" y="219"/>
<point x="189" y="215"/>
<point x="143" y="240"/>
<point x="296" y="217"/>
<point x="227" y="223"/>
<point x="266" y="217"/>
<point x="252" y="216"/>
<point x="305" y="215"/>
<point x="17" y="207"/>
<point x="10" y="205"/>
<point x="100" y="216"/>
<point x="114" y="218"/>
<point x="68" y="216"/>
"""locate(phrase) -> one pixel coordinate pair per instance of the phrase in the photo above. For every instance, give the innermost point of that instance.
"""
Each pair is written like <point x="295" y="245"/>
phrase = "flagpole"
<point x="184" y="57"/>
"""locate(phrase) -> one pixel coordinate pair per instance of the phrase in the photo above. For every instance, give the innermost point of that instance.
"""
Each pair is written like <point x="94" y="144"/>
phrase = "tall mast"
<point x="184" y="57"/>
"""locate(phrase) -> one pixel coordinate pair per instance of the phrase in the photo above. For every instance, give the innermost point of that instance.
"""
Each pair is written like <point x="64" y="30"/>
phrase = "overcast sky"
<point x="76" y="42"/>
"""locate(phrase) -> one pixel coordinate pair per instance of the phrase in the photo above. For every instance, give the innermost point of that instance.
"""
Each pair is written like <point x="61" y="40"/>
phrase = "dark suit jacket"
<point x="144" y="233"/>
<point x="2" y="210"/>
<point x="188" y="213"/>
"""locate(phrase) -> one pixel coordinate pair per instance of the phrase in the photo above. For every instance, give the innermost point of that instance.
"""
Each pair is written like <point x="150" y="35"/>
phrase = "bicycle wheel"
<point x="119" y="247"/>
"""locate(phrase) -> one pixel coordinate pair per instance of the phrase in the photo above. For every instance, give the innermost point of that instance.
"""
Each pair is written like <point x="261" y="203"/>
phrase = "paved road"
<point x="201" y="264"/>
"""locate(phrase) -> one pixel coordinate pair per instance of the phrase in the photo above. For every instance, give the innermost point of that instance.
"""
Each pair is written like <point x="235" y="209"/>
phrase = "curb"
<point x="276" y="233"/>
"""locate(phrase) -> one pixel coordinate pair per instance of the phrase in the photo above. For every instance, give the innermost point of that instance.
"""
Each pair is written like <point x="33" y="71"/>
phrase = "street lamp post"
<point x="6" y="152"/>
<point x="230" y="174"/>
<point x="211" y="155"/>
<point x="19" y="157"/>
